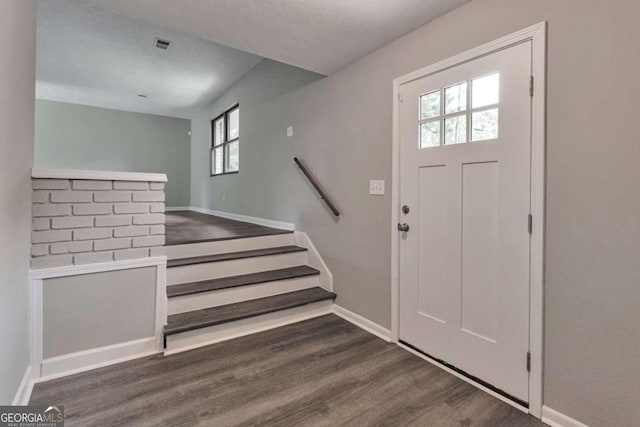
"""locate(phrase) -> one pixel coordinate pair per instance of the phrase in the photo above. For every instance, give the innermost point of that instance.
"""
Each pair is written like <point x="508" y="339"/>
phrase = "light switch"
<point x="289" y="131"/>
<point x="376" y="187"/>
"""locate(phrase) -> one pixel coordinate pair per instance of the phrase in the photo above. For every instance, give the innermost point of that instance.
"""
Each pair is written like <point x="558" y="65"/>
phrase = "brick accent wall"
<point x="85" y="221"/>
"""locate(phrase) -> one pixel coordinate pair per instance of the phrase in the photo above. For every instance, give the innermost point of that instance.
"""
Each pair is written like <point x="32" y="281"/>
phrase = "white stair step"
<point x="194" y="269"/>
<point x="184" y="335"/>
<point x="223" y="246"/>
<point x="229" y="290"/>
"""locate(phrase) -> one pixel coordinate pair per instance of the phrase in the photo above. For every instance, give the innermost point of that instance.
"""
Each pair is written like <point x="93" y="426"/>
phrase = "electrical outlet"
<point x="376" y="187"/>
<point x="289" y="131"/>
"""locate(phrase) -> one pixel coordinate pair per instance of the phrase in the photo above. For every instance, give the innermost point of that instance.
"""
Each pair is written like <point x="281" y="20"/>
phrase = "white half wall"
<point x="96" y="310"/>
<point x="96" y="314"/>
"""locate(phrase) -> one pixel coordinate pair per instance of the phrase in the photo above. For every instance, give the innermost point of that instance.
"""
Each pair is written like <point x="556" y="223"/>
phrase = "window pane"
<point x="218" y="132"/>
<point x="218" y="160"/>
<point x="234" y="124"/>
<point x="486" y="91"/>
<point x="430" y="134"/>
<point x="455" y="98"/>
<point x="455" y="130"/>
<point x="484" y="125"/>
<point x="430" y="105"/>
<point x="233" y="157"/>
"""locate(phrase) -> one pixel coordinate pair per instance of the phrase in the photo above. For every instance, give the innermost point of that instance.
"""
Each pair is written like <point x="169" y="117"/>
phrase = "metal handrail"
<point x="315" y="184"/>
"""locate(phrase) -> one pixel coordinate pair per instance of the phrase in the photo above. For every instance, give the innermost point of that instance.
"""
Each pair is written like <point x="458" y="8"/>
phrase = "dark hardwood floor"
<point x="321" y="372"/>
<point x="182" y="227"/>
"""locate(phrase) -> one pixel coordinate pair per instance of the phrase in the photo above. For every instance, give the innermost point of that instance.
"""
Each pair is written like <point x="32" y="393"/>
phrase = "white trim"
<point x="538" y="203"/>
<point x="162" y="305"/>
<point x="362" y="323"/>
<point x="74" y="270"/>
<point x="464" y="378"/>
<point x="96" y="175"/>
<point x="251" y="219"/>
<point x="23" y="394"/>
<point x="36" y="325"/>
<point x="558" y="419"/>
<point x="314" y="259"/>
<point x="36" y="283"/>
<point x="86" y="360"/>
<point x="177" y="208"/>
<point x="537" y="35"/>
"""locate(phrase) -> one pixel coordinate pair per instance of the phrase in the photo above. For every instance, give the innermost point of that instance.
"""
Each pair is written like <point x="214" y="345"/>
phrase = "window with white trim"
<point x="455" y="115"/>
<point x="225" y="142"/>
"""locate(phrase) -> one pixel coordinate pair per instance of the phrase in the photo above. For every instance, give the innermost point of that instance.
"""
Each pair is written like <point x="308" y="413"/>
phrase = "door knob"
<point x="404" y="227"/>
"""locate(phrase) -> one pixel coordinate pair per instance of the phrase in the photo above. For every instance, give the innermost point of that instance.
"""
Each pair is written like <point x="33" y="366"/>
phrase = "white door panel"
<point x="464" y="263"/>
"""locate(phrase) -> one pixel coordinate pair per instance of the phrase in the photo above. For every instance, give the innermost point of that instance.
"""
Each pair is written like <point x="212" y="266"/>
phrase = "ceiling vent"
<point x="162" y="44"/>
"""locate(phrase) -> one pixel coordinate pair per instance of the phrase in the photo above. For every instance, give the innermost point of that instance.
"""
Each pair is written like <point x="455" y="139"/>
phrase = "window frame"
<point x="468" y="113"/>
<point x="225" y="143"/>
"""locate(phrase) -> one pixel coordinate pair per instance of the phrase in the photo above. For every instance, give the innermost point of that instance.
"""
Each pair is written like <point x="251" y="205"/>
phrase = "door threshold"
<point x="465" y="376"/>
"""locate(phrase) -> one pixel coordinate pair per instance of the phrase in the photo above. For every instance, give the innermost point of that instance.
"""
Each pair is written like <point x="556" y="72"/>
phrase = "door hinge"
<point x="530" y="224"/>
<point x="528" y="361"/>
<point x="400" y="97"/>
<point x="530" y="85"/>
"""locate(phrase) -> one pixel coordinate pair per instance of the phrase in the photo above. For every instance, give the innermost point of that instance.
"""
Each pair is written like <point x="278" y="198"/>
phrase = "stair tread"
<point x="197" y="319"/>
<point x="234" y="255"/>
<point x="240" y="280"/>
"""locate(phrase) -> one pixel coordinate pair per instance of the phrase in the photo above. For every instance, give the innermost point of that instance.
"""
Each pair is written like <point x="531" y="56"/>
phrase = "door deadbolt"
<point x="404" y="227"/>
<point x="405" y="209"/>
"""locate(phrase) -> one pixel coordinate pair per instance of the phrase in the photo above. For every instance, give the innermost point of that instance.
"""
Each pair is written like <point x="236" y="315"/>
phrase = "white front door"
<point x="465" y="138"/>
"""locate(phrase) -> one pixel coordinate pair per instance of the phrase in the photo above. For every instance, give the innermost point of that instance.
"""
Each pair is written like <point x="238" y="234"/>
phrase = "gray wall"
<point x="258" y="188"/>
<point x="17" y="75"/>
<point x="343" y="131"/>
<point x="97" y="310"/>
<point x="70" y="136"/>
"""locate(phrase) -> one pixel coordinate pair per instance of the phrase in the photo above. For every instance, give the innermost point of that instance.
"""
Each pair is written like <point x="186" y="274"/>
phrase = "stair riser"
<point x="215" y="270"/>
<point x="224" y="246"/>
<point x="213" y="334"/>
<point x="242" y="293"/>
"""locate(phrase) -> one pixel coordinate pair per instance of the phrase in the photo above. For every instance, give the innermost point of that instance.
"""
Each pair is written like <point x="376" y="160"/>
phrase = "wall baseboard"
<point x="558" y="419"/>
<point x="68" y="364"/>
<point x="362" y="323"/>
<point x="23" y="394"/>
<point x="238" y="217"/>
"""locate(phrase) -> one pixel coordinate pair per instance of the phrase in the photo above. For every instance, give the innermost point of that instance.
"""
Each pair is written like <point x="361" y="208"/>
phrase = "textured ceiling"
<point x="319" y="35"/>
<point x="89" y="56"/>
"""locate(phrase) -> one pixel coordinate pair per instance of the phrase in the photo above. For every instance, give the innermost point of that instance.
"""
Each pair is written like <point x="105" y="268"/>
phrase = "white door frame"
<point x="537" y="35"/>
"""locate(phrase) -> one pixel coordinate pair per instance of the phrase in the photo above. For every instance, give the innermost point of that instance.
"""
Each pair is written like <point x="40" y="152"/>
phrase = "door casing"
<point x="537" y="35"/>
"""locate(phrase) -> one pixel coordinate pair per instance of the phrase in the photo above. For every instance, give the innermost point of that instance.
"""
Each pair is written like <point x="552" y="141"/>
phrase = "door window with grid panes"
<point x="455" y="114"/>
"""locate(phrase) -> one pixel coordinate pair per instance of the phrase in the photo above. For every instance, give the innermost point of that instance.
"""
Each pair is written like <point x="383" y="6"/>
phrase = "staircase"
<point x="225" y="289"/>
